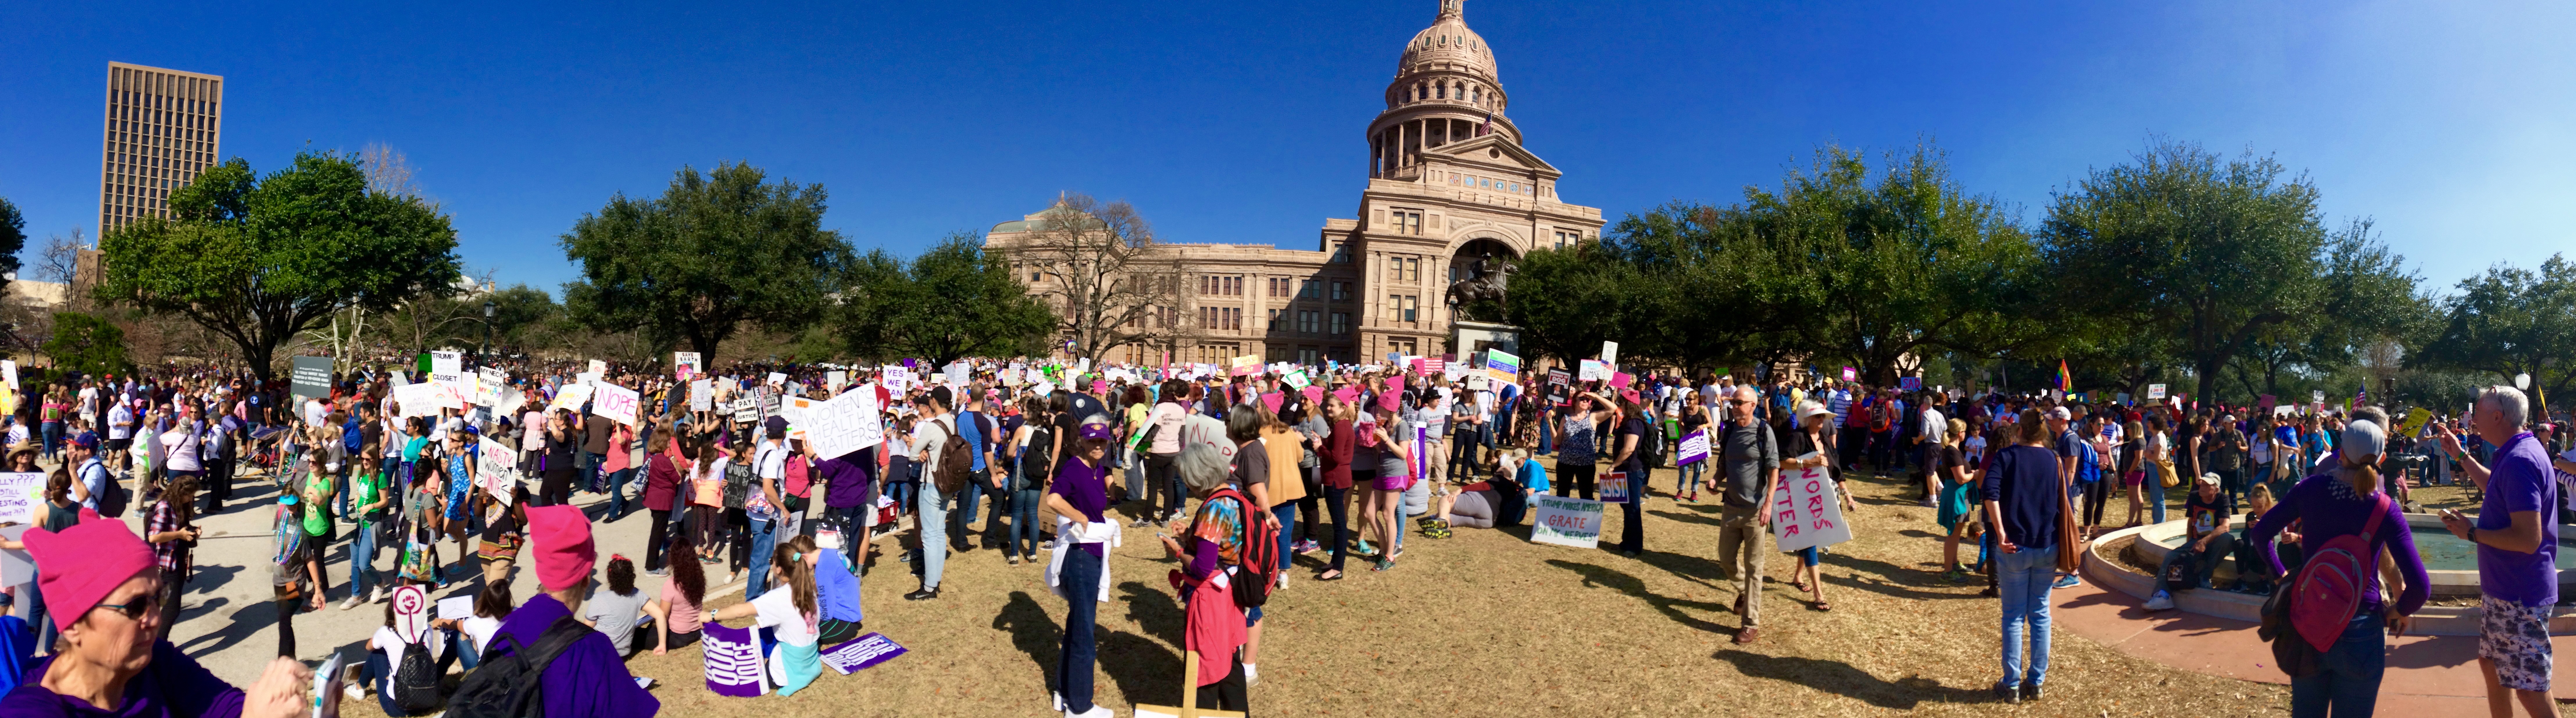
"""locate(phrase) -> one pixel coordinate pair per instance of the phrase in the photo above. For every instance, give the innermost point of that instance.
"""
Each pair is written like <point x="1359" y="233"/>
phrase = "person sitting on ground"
<point x="836" y="588"/>
<point x="1498" y="501"/>
<point x="588" y="678"/>
<point x="680" y="609"/>
<point x="618" y="610"/>
<point x="464" y="638"/>
<point x="2208" y="513"/>
<point x="385" y="652"/>
<point x="790" y="616"/>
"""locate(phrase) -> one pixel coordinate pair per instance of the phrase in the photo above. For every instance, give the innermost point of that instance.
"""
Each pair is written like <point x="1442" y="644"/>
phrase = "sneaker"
<point x="658" y="572"/>
<point x="354" y="692"/>
<point x="378" y="595"/>
<point x="922" y="595"/>
<point x="1141" y="524"/>
<point x="2067" y="581"/>
<point x="1363" y="550"/>
<point x="2030" y="691"/>
<point x="1309" y="546"/>
<point x="2008" y="694"/>
<point x="2162" y="601"/>
<point x="1097" y="711"/>
<point x="1011" y="558"/>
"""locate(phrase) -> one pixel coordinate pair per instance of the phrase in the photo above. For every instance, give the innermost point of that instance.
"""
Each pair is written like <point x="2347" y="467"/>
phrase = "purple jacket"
<point x="850" y="477"/>
<point x="174" y="686"/>
<point x="588" y="678"/>
<point x="2327" y="507"/>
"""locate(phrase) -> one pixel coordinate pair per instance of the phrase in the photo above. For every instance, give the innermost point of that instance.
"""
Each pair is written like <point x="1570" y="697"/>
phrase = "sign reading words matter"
<point x="1806" y="512"/>
<point x="1566" y="521"/>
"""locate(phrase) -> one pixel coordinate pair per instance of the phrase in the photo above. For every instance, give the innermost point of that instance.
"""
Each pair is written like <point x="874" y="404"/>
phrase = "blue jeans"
<point x="1546" y="435"/>
<point x="617" y="491"/>
<point x="764" y="540"/>
<point x="1073" y="668"/>
<point x="362" y="558"/>
<point x="1287" y="514"/>
<point x="53" y="432"/>
<point x="2155" y="486"/>
<point x="934" y="537"/>
<point x="590" y="464"/>
<point x="2348" y="682"/>
<point x="970" y="496"/>
<point x="1690" y="476"/>
<point x="2025" y="579"/>
<point x="1023" y="536"/>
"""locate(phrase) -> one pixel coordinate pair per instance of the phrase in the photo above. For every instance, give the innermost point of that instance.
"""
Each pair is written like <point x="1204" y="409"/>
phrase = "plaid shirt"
<point x="163" y="518"/>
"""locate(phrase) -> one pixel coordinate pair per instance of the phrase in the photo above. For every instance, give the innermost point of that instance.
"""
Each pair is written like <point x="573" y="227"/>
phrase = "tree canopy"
<point x="715" y="251"/>
<point x="260" y="260"/>
<point x="13" y="235"/>
<point x="953" y="301"/>
<point x="88" y="345"/>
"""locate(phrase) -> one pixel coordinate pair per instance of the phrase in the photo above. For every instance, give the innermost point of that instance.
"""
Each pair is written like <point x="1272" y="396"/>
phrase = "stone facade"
<point x="1448" y="182"/>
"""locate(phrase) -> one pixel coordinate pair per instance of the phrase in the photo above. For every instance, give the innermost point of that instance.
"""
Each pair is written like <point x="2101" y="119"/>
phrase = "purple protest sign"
<point x="861" y="653"/>
<point x="734" y="665"/>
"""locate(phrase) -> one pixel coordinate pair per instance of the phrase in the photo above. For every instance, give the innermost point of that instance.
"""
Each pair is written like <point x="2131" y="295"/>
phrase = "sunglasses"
<point x="134" y="610"/>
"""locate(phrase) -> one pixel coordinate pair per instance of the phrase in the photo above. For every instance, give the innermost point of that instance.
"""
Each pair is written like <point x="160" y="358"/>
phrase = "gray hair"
<point x="1204" y="467"/>
<point x="2374" y="414"/>
<point x="2511" y="401"/>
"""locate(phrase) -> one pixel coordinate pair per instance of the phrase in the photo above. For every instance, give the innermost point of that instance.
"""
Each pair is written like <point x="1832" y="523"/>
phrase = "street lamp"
<point x="487" y="332"/>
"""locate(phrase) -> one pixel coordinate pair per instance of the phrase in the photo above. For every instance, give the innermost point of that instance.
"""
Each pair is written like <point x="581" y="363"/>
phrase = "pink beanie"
<point x="561" y="537"/>
<point x="79" y="566"/>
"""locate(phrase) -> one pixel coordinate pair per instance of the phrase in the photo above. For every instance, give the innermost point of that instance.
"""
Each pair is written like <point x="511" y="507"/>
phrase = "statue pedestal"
<point x="1467" y="338"/>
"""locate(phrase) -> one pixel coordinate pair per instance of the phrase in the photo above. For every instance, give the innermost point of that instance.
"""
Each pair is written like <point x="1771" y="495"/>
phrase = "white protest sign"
<point x="2155" y="391"/>
<point x="1806" y="510"/>
<point x="488" y="385"/>
<point x="959" y="373"/>
<point x="1610" y="353"/>
<point x="446" y="366"/>
<point x="617" y="403"/>
<point x="1593" y="371"/>
<point x="411" y="613"/>
<point x="861" y="653"/>
<point x="1566" y="521"/>
<point x="456" y="608"/>
<point x="1296" y="379"/>
<point x="598" y="367"/>
<point x="496" y="470"/>
<point x="570" y="398"/>
<point x="777" y="379"/>
<point x="420" y="399"/>
<point x="836" y="379"/>
<point x="21" y="494"/>
<point x="702" y="395"/>
<point x="685" y="364"/>
<point x="512" y="400"/>
<point x="17" y="568"/>
<point x="845" y="424"/>
<point x="588" y="378"/>
<point x="1694" y="449"/>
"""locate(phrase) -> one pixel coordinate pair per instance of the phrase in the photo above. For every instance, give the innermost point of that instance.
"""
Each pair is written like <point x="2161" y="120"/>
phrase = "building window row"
<point x="1403" y="307"/>
<point x="1490" y="184"/>
<point x="1404" y="269"/>
<point x="1407" y="221"/>
<point x="1221" y="318"/>
<point x="1219" y="285"/>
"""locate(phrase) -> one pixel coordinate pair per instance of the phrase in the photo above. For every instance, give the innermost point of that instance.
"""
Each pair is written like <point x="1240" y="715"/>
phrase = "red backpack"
<point x="2329" y="587"/>
<point x="1260" y="553"/>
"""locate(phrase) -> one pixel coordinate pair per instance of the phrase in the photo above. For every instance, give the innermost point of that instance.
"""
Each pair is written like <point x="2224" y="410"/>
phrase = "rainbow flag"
<point x="2065" y="380"/>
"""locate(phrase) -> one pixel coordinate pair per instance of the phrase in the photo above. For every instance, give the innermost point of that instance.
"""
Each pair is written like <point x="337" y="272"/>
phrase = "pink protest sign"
<point x="1621" y="379"/>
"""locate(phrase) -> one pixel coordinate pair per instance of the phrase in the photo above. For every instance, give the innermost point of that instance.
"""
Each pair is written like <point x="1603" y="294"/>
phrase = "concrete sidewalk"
<point x="2427" y="675"/>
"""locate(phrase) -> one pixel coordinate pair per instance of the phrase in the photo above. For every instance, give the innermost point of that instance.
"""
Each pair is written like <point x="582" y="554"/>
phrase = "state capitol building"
<point x="1449" y="182"/>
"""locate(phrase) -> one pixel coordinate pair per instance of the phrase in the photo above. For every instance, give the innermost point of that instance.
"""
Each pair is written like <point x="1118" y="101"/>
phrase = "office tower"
<point x="161" y="131"/>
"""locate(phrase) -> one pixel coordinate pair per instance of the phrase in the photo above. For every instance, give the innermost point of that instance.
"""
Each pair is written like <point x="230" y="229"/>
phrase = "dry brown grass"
<point x="1487" y="623"/>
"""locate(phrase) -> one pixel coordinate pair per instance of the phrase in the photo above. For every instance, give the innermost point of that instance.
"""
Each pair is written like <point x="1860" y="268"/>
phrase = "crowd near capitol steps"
<point x="781" y="481"/>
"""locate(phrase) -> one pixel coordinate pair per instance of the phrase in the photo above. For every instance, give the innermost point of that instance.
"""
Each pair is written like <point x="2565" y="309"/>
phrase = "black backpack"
<point x="506" y="683"/>
<point x="416" y="681"/>
<point x="112" y="496"/>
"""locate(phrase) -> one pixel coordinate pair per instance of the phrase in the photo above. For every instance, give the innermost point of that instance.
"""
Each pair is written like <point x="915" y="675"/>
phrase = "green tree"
<point x="953" y="301"/>
<point x="13" y="235"/>
<point x="2216" y="254"/>
<point x="260" y="260"/>
<point x="715" y="251"/>
<point x="87" y="344"/>
<point x="2510" y="321"/>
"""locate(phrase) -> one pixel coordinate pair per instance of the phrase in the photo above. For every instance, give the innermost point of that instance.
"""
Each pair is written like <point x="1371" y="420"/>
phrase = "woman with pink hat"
<point x="104" y="588"/>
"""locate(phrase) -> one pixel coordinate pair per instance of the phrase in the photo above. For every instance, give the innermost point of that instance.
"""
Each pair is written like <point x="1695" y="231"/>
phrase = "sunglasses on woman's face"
<point x="135" y="609"/>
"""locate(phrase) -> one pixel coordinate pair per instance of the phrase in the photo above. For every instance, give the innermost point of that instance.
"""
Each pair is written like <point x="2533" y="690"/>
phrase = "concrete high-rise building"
<point x="162" y="128"/>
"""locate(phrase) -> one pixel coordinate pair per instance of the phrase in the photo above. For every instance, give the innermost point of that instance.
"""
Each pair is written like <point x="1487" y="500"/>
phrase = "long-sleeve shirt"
<point x="589" y="678"/>
<point x="1336" y="455"/>
<point x="172" y="686"/>
<point x="2327" y="507"/>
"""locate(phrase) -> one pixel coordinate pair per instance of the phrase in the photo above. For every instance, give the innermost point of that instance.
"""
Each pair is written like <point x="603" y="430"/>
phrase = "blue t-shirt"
<point x="836" y="590"/>
<point x="2024" y="480"/>
<point x="971" y="426"/>
<point x="2522" y="480"/>
<point x="1533" y="476"/>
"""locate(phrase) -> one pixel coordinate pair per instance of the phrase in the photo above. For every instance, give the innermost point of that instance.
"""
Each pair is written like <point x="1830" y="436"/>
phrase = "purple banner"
<point x="734" y="665"/>
<point x="861" y="653"/>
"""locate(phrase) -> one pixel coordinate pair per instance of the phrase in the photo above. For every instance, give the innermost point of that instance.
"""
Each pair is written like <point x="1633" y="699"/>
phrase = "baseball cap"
<point x="2061" y="413"/>
<point x="2362" y="438"/>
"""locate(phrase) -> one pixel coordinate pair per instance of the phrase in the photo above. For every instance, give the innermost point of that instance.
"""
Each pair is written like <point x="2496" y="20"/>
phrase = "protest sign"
<point x="1593" y="370"/>
<point x="1558" y="376"/>
<point x="1621" y="379"/>
<point x="456" y="608"/>
<point x="961" y="372"/>
<point x="488" y="383"/>
<point x="2415" y="419"/>
<point x="1615" y="487"/>
<point x="1807" y="511"/>
<point x="21" y="493"/>
<point x="617" y="403"/>
<point x="861" y="653"/>
<point x="2318" y="397"/>
<point x="512" y="400"/>
<point x="2155" y="392"/>
<point x="1909" y="383"/>
<point x="835" y="379"/>
<point x="311" y="377"/>
<point x="1296" y="379"/>
<point x="845" y="424"/>
<point x="685" y="364"/>
<point x="734" y="664"/>
<point x="1610" y="353"/>
<point x="446" y="366"/>
<point x="570" y="398"/>
<point x="777" y="379"/>
<point x="1694" y="449"/>
<point x="411" y="613"/>
<point x="598" y="367"/>
<point x="419" y="399"/>
<point x="588" y="378"/>
<point x="1502" y="367"/>
<point x="745" y="409"/>
<point x="1851" y="374"/>
<point x="702" y="395"/>
<point x="496" y="470"/>
<point x="1246" y="365"/>
<point x="1566" y="521"/>
<point x="17" y="568"/>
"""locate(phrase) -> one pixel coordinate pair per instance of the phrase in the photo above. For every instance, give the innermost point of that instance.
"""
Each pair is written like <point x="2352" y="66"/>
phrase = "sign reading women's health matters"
<point x="1806" y="511"/>
<point x="1566" y="521"/>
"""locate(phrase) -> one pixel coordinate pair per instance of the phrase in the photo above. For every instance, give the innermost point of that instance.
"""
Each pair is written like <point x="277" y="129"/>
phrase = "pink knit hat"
<point x="561" y="537"/>
<point x="79" y="566"/>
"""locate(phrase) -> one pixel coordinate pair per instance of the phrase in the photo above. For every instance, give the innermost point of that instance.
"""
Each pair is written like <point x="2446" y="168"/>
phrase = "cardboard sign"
<point x="2415" y="419"/>
<point x="423" y="399"/>
<point x="702" y="395"/>
<point x="1296" y="379"/>
<point x="1610" y="353"/>
<point x="2155" y="392"/>
<point x="1566" y="521"/>
<point x="22" y="497"/>
<point x="311" y="377"/>
<point x="1850" y="374"/>
<point x="1502" y="367"/>
<point x="1593" y="371"/>
<point x="734" y="664"/>
<point x="1806" y="511"/>
<point x="1694" y="448"/>
<point x="17" y="568"/>
<point x="686" y="364"/>
<point x="845" y="424"/>
<point x="861" y="653"/>
<point x="618" y="403"/>
<point x="456" y="608"/>
<point x="1615" y="487"/>
<point x="446" y="366"/>
<point x="598" y="367"/>
<point x="496" y="470"/>
<point x="960" y="373"/>
<point x="1909" y="383"/>
<point x="569" y="398"/>
<point x="1558" y="376"/>
<point x="411" y="613"/>
<point x="488" y="383"/>
<point x="835" y="379"/>
<point x="777" y="379"/>
<point x="512" y="400"/>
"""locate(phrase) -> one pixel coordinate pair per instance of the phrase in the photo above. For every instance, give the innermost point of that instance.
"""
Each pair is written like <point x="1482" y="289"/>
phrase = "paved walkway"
<point x="2427" y="675"/>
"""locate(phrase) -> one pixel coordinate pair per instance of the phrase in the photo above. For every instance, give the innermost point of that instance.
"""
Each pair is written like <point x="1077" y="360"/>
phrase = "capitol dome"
<point x="1448" y="40"/>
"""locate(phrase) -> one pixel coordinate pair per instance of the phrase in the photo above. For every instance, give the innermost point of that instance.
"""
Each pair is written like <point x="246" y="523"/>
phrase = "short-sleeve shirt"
<point x="1221" y="523"/>
<point x="2522" y="480"/>
<point x="616" y="615"/>
<point x="2205" y="515"/>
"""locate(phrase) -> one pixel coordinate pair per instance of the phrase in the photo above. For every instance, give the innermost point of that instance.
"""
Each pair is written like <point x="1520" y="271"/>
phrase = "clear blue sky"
<point x="2452" y="125"/>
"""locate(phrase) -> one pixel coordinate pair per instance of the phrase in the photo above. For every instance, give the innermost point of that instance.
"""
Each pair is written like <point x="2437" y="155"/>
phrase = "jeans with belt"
<point x="764" y="541"/>
<point x="2347" y="682"/>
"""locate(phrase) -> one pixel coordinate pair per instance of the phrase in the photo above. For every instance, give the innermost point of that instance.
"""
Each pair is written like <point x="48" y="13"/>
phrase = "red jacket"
<point x="661" y="482"/>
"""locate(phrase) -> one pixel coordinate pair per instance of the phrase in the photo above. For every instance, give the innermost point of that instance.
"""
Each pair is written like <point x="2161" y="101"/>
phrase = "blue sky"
<point x="2451" y="125"/>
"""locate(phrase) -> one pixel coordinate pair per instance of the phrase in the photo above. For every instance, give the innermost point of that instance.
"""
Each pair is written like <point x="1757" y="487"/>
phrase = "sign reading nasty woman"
<point x="1806" y="512"/>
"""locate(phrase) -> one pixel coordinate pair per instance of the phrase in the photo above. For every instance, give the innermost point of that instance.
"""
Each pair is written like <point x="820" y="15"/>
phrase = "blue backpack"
<point x="2088" y="463"/>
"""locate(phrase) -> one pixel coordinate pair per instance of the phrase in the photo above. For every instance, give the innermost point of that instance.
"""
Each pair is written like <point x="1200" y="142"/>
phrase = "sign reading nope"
<point x="1567" y="521"/>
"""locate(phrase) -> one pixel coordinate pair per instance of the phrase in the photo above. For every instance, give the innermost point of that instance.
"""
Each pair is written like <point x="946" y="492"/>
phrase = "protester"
<point x="588" y="678"/>
<point x="2517" y="542"/>
<point x="2345" y="502"/>
<point x="1079" y="499"/>
<point x="1749" y="459"/>
<point x="679" y="610"/>
<point x="2024" y="496"/>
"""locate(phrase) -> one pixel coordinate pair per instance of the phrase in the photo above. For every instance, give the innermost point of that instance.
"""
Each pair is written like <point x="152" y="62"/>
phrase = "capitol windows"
<point x="1404" y="269"/>
<point x="1307" y="321"/>
<point x="1403" y="307"/>
<point x="1341" y="292"/>
<point x="1341" y="323"/>
<point x="1407" y="221"/>
<point x="1306" y="288"/>
<point x="1440" y="91"/>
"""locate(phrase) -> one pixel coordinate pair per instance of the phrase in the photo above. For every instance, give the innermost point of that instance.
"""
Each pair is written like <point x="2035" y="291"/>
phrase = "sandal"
<point x="1383" y="564"/>
<point x="1821" y="606"/>
<point x="1329" y="575"/>
<point x="1800" y="586"/>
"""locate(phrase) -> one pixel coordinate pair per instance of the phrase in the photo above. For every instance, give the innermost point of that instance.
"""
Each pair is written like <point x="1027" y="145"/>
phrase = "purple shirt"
<point x="174" y="686"/>
<point x="849" y="477"/>
<point x="2520" y="480"/>
<point x="1086" y="489"/>
<point x="588" y="678"/>
<point x="2327" y="507"/>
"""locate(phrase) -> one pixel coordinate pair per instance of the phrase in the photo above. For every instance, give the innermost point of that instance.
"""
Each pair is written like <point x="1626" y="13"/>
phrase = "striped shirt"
<point x="1840" y="405"/>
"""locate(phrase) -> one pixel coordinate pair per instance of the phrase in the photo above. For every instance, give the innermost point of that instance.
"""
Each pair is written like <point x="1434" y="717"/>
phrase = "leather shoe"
<point x="922" y="595"/>
<point x="1748" y="635"/>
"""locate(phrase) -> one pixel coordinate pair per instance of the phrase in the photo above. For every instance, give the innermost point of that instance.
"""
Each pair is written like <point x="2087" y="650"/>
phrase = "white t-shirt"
<point x="120" y="422"/>
<point x="392" y="644"/>
<point x="1936" y="428"/>
<point x="771" y="461"/>
<point x="777" y="610"/>
<point x="927" y="436"/>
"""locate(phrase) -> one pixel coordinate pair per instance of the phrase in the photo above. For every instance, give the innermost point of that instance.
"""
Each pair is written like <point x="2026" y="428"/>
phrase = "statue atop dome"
<point x="1452" y="8"/>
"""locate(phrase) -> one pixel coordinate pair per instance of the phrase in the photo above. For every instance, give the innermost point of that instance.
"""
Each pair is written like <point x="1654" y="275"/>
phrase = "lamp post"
<point x="487" y="332"/>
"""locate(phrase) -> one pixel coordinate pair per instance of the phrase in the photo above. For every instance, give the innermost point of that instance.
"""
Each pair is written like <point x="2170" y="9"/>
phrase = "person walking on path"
<point x="1750" y="455"/>
<point x="2339" y="503"/>
<point x="2024" y="493"/>
<point x="2517" y="551"/>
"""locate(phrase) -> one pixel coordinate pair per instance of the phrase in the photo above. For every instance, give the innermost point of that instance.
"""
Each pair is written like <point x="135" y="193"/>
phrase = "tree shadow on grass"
<point x="1669" y="606"/>
<point x="1146" y="670"/>
<point x="1891" y="580"/>
<point x="1158" y="612"/>
<point x="1701" y="519"/>
<point x="1842" y="679"/>
<point x="1034" y="633"/>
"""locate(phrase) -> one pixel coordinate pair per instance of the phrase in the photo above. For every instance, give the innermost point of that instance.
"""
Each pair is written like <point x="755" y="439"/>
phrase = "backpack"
<point x="956" y="460"/>
<point x="508" y="686"/>
<point x="2329" y="585"/>
<point x="1260" y="554"/>
<point x="2183" y="573"/>
<point x="2088" y="463"/>
<point x="112" y="496"/>
<point x="416" y="681"/>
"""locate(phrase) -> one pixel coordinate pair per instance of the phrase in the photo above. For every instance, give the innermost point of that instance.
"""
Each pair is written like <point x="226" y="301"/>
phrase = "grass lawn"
<point x="1486" y="623"/>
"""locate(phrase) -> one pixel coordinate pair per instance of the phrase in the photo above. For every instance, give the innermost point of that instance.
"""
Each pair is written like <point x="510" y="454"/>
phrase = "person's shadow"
<point x="1034" y="633"/>
<point x="250" y="619"/>
<point x="1842" y="679"/>
<point x="1146" y="670"/>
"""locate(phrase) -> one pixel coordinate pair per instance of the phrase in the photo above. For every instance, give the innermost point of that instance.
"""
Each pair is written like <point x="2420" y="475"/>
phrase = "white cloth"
<point x="1070" y="536"/>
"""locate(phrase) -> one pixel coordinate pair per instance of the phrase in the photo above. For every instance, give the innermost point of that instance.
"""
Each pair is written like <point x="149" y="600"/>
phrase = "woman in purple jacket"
<point x="2339" y="503"/>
